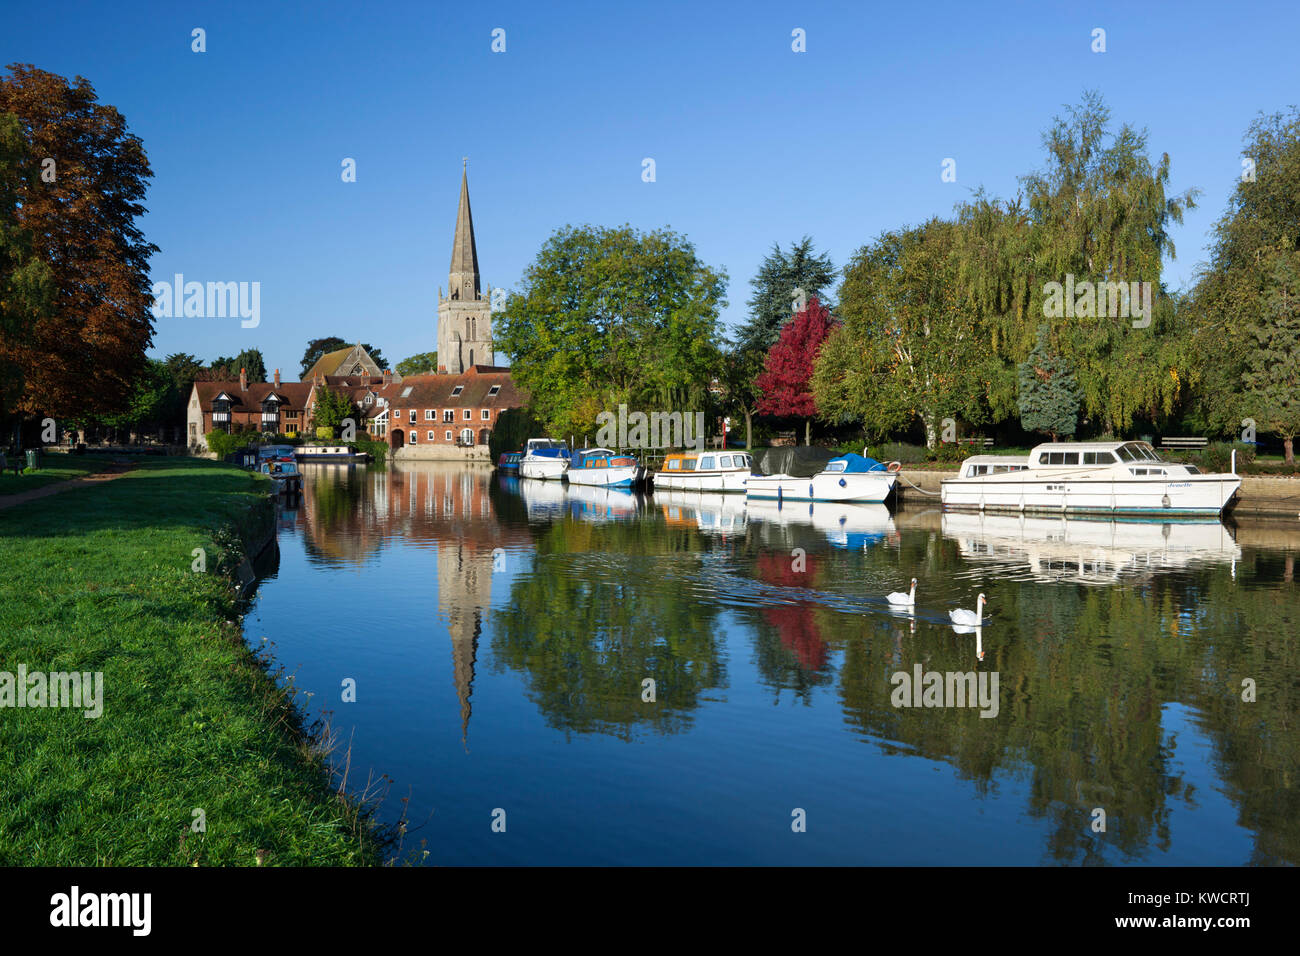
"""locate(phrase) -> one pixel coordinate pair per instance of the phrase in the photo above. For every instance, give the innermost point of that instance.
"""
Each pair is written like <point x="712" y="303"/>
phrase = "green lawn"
<point x="55" y="467"/>
<point x="100" y="579"/>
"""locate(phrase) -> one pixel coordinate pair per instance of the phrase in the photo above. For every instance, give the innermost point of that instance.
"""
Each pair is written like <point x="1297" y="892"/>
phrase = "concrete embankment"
<point x="1259" y="495"/>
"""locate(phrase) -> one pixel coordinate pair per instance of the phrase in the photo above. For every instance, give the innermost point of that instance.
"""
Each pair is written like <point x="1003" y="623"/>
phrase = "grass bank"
<point x="55" y="467"/>
<point x="101" y="579"/>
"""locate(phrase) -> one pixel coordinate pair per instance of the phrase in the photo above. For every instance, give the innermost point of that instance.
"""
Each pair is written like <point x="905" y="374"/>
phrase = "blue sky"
<point x="753" y="143"/>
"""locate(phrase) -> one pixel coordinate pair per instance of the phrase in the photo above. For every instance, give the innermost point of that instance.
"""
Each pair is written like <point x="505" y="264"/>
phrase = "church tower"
<point x="464" y="314"/>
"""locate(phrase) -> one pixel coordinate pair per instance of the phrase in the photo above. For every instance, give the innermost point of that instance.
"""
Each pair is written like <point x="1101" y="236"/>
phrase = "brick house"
<point x="274" y="406"/>
<point x="445" y="416"/>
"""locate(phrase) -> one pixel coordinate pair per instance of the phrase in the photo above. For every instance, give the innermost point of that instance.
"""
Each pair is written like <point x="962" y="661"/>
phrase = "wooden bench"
<point x="986" y="442"/>
<point x="1183" y="442"/>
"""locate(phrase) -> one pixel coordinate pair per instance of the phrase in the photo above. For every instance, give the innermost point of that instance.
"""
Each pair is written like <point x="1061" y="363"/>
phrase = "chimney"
<point x="243" y="380"/>
<point x="277" y="378"/>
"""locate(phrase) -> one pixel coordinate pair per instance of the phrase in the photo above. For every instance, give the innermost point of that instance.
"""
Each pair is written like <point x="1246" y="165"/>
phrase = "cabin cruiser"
<point x="285" y="477"/>
<point x="850" y="478"/>
<point x="600" y="466"/>
<point x="544" y="458"/>
<point x="1088" y="477"/>
<point x="508" y="462"/>
<point x="704" y="471"/>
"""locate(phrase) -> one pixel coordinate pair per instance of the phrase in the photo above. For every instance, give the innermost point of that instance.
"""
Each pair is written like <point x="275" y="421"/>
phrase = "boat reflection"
<point x="851" y="526"/>
<point x="1086" y="551"/>
<point x="710" y="511"/>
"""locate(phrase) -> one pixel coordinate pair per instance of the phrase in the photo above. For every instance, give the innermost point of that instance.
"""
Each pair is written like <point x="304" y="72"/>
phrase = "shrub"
<point x="325" y="432"/>
<point x="900" y="452"/>
<point x="222" y="444"/>
<point x="949" y="451"/>
<point x="1217" y="456"/>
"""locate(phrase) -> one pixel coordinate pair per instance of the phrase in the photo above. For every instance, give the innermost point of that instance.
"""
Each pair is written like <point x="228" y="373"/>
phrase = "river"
<point x="554" y="675"/>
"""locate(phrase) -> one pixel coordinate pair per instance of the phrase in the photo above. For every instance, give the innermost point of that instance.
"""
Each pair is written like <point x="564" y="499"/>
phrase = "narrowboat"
<point x="1088" y="478"/>
<point x="508" y="463"/>
<point x="600" y="466"/>
<point x="329" y="453"/>
<point x="704" y="471"/>
<point x="544" y="458"/>
<point x="849" y="478"/>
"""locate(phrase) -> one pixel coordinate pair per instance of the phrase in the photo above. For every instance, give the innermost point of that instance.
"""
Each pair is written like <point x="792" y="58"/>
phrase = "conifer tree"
<point x="1049" y="395"/>
<point x="1272" y="378"/>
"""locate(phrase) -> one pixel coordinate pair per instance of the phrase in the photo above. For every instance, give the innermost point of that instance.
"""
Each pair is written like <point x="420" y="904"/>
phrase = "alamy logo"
<point x="946" y="689"/>
<point x="1087" y="300"/>
<point x="102" y="909"/>
<point x="56" y="689"/>
<point x="656" y="430"/>
<point x="213" y="300"/>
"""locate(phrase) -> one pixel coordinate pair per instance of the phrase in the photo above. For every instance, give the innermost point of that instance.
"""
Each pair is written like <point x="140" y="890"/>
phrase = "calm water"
<point x="499" y="632"/>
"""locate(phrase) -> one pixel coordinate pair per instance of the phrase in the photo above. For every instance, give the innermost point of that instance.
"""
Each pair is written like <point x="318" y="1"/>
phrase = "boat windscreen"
<point x="1126" y="453"/>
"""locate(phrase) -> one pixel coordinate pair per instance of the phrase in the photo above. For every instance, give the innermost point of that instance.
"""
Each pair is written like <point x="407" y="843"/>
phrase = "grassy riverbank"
<point x="55" y="467"/>
<point x="100" y="579"/>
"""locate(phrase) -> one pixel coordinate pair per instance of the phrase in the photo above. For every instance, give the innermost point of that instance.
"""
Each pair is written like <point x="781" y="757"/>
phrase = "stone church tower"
<point x="464" y="314"/>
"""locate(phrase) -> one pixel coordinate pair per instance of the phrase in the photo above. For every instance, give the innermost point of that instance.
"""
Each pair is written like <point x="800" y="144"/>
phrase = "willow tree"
<point x="1100" y="212"/>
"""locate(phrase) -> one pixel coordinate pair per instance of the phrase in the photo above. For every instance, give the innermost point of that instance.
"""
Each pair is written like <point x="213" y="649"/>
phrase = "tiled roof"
<point x="434" y="391"/>
<point x="294" y="393"/>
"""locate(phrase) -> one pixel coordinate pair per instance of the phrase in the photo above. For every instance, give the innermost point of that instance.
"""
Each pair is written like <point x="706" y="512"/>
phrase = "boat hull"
<point x="620" y="476"/>
<point x="722" y="480"/>
<point x="858" y="487"/>
<point x="1188" y="495"/>
<point x="547" y="469"/>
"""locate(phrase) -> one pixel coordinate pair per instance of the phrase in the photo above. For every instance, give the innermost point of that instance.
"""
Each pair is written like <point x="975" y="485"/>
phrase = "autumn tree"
<point x="77" y="195"/>
<point x="784" y="382"/>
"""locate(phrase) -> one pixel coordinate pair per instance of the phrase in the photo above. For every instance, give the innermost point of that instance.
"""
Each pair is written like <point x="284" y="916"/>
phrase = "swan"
<point x="904" y="598"/>
<point x="969" y="618"/>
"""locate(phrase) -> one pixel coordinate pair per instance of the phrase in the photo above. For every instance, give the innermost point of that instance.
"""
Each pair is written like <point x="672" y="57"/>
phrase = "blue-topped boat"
<point x="600" y="466"/>
<point x="847" y="478"/>
<point x="508" y="462"/>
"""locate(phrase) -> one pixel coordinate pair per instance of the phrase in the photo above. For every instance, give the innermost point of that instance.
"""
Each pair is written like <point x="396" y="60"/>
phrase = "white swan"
<point x="969" y="618"/>
<point x="904" y="598"/>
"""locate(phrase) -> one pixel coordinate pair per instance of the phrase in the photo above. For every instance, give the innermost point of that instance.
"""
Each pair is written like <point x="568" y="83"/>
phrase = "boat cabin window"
<point x="674" y="464"/>
<point x="977" y="470"/>
<point x="1058" y="458"/>
<point x="1126" y="453"/>
<point x="835" y="467"/>
<point x="707" y="462"/>
<point x="1006" y="469"/>
<point x="1098" y="458"/>
<point x="724" y="461"/>
<point x="1147" y="471"/>
<point x="689" y="464"/>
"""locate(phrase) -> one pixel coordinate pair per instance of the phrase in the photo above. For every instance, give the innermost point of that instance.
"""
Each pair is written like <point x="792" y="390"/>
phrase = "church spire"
<point x="464" y="256"/>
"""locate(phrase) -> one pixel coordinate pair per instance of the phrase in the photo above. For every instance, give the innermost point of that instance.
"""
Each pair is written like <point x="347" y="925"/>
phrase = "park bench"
<point x="1183" y="442"/>
<point x="16" y="465"/>
<point x="986" y="442"/>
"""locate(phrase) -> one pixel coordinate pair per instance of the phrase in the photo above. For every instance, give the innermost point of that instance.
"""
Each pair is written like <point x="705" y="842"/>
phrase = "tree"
<point x="77" y="207"/>
<point x="332" y="408"/>
<point x="319" y="347"/>
<point x="152" y="399"/>
<point x="1261" y="223"/>
<point x="609" y="316"/>
<point x="784" y="282"/>
<point x="226" y="369"/>
<point x="788" y="370"/>
<point x="1049" y="395"/>
<point x="1272" y="376"/>
<point x="418" y="364"/>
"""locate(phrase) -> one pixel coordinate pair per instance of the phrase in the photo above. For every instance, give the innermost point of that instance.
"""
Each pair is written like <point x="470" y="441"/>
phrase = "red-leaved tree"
<point x="784" y="381"/>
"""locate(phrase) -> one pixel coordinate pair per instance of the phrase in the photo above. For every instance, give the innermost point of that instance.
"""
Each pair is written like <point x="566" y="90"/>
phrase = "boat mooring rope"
<point x="932" y="494"/>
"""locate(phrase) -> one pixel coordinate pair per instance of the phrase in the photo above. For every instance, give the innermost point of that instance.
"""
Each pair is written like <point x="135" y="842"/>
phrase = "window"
<point x="430" y="415"/>
<point x="457" y="390"/>
<point x="707" y="462"/>
<point x="1098" y="458"/>
<point x="415" y="437"/>
<point x="413" y="416"/>
<point x="493" y="391"/>
<point x="1042" y="458"/>
<point x="689" y="464"/>
<point x="468" y="416"/>
<point x="432" y="436"/>
<point x="487" y="415"/>
<point x="406" y="392"/>
<point x="448" y="415"/>
<point x="370" y="398"/>
<point x="978" y="470"/>
<point x="448" y="436"/>
<point x="1071" y="457"/>
<point x="467" y="436"/>
<point x="674" y="464"/>
<point x="724" y="461"/>
<point x="1060" y="458"/>
<point x="1125" y="454"/>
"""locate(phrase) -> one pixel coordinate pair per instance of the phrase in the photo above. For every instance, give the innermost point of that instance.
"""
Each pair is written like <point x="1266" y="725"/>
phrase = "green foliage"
<point x="1272" y="379"/>
<point x="418" y="364"/>
<point x="225" y="369"/>
<point x="223" y="444"/>
<point x="609" y="316"/>
<point x="780" y="275"/>
<point x="324" y="432"/>
<point x="332" y="343"/>
<point x="1217" y="456"/>
<point x="513" y="427"/>
<point x="1049" y="395"/>
<point x="332" y="408"/>
<point x="900" y="452"/>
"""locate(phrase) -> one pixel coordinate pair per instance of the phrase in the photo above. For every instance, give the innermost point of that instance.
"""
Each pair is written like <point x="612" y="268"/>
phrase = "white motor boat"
<point x="704" y="471"/>
<point x="544" y="458"/>
<point x="1088" y="478"/>
<point x="600" y="466"/>
<point x="849" y="478"/>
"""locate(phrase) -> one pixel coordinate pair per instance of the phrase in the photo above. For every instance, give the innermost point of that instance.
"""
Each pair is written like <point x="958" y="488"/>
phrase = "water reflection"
<point x="1121" y="649"/>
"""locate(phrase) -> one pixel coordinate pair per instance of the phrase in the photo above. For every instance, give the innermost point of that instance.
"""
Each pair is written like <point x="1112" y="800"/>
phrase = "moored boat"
<point x="508" y="462"/>
<point x="849" y="478"/>
<point x="1088" y="478"/>
<point x="600" y="466"/>
<point x="285" y="477"/>
<point x="544" y="458"/>
<point x="329" y="453"/>
<point x="704" y="471"/>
